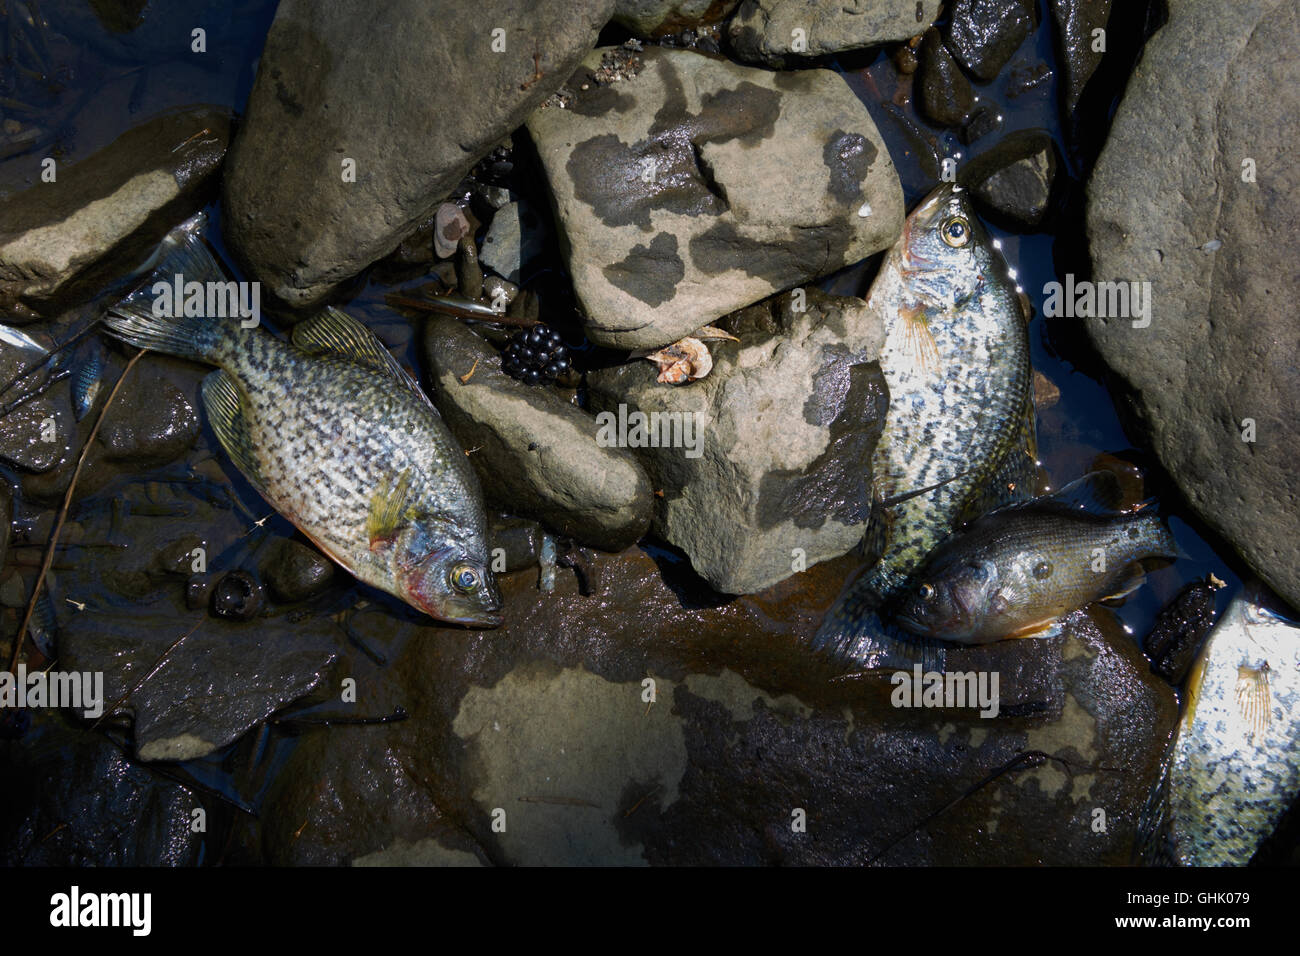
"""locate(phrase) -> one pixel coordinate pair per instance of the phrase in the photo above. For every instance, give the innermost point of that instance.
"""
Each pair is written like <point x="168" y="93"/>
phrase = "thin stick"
<point x="63" y="513"/>
<point x="157" y="666"/>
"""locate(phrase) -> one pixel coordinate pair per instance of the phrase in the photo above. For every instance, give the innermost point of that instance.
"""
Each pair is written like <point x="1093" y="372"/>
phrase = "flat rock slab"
<point x="649" y="723"/>
<point x="1219" y="89"/>
<point x="698" y="187"/>
<point x="765" y="464"/>
<point x="411" y="94"/>
<point x="101" y="215"/>
<point x="771" y="31"/>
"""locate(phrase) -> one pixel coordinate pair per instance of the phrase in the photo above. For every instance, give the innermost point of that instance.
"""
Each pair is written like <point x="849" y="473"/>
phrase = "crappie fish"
<point x="337" y="438"/>
<point x="961" y="415"/>
<point x="1016" y="571"/>
<point x="1234" y="766"/>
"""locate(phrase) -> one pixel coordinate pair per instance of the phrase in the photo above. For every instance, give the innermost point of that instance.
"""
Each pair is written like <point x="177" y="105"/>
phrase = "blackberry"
<point x="535" y="355"/>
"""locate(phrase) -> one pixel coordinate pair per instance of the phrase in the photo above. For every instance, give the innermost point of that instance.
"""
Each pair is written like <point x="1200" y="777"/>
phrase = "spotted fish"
<point x="1017" y="571"/>
<point x="961" y="416"/>
<point x="1234" y="766"/>
<point x="339" y="439"/>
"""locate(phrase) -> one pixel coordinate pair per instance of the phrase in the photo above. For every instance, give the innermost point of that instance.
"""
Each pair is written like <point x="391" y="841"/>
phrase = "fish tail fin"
<point x="854" y="635"/>
<point x="1154" y="845"/>
<point x="1159" y="538"/>
<point x="136" y="319"/>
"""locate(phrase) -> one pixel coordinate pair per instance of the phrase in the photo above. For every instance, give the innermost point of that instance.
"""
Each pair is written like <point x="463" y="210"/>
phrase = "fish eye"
<point x="1043" y="569"/>
<point x="926" y="591"/>
<point x="955" y="231"/>
<point x="464" y="578"/>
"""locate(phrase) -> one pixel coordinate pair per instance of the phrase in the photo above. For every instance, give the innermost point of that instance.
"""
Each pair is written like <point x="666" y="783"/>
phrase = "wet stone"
<point x="515" y="238"/>
<point x="984" y="34"/>
<point x="150" y="421"/>
<point x="536" y="455"/>
<point x="946" y="94"/>
<point x="1013" y="180"/>
<point x="1076" y="21"/>
<point x="698" y="187"/>
<point x="295" y="572"/>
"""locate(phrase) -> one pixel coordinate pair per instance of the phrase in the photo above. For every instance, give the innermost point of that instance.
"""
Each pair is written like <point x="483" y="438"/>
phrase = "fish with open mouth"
<point x="338" y="438"/>
<point x="960" y="425"/>
<point x="1017" y="571"/>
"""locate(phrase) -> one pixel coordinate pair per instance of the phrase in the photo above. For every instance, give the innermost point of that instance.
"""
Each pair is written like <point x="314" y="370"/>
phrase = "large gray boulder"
<point x="1198" y="193"/>
<point x="412" y="93"/>
<point x="773" y="471"/>
<point x="697" y="187"/>
<point x="772" y="31"/>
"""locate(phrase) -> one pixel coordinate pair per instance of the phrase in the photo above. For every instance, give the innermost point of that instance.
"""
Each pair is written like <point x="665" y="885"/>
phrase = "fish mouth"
<point x="471" y="619"/>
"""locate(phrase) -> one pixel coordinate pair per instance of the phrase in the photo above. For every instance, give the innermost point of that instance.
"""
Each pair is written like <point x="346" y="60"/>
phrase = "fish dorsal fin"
<point x="334" y="332"/>
<point x="1098" y="492"/>
<point x="226" y="414"/>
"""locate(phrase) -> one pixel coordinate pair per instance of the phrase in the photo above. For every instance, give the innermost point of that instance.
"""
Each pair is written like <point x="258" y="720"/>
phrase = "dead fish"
<point x="1017" y="571"/>
<point x="1233" y="768"/>
<point x="961" y="412"/>
<point x="339" y="439"/>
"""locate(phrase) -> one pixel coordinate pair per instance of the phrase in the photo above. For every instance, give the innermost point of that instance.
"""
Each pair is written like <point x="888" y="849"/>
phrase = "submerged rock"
<point x="1076" y="21"/>
<point x="698" y="187"/>
<point x="371" y="159"/>
<point x="1013" y="180"/>
<point x="74" y="798"/>
<point x="1197" y="193"/>
<point x="536" y="454"/>
<point x="60" y="241"/>
<point x="984" y="34"/>
<point x="150" y="422"/>
<point x="765" y="464"/>
<point x="774" y="31"/>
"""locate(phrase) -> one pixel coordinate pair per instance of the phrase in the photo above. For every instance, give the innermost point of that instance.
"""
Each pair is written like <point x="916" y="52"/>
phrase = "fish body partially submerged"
<point x="1017" y="571"/>
<point x="1233" y="769"/>
<point x="960" y="420"/>
<point x="340" y="440"/>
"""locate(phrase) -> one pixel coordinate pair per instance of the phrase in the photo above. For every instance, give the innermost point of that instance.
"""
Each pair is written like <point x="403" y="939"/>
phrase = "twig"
<point x="157" y="666"/>
<point x="63" y="514"/>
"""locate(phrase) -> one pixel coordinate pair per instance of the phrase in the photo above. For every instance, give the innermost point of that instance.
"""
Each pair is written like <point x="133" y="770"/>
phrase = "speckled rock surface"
<point x="777" y="31"/>
<point x="698" y="187"/>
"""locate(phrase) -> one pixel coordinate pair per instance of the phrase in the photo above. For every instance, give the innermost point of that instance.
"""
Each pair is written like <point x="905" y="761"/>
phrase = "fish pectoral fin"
<point x="226" y="415"/>
<point x="334" y="332"/>
<point x="1049" y="629"/>
<point x="389" y="511"/>
<point x="1131" y="581"/>
<point x="918" y="338"/>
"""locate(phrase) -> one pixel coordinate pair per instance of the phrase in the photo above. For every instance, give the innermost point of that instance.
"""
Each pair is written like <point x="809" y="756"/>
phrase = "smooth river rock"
<point x="536" y="454"/>
<point x="405" y="94"/>
<point x="698" y="187"/>
<point x="1197" y="192"/>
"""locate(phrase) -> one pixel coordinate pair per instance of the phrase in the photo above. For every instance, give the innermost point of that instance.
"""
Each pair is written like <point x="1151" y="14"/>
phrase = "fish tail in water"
<point x="135" y="320"/>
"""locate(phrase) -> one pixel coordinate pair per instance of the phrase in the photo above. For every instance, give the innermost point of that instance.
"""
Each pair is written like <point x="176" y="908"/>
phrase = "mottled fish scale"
<point x="1234" y="767"/>
<point x="339" y="439"/>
